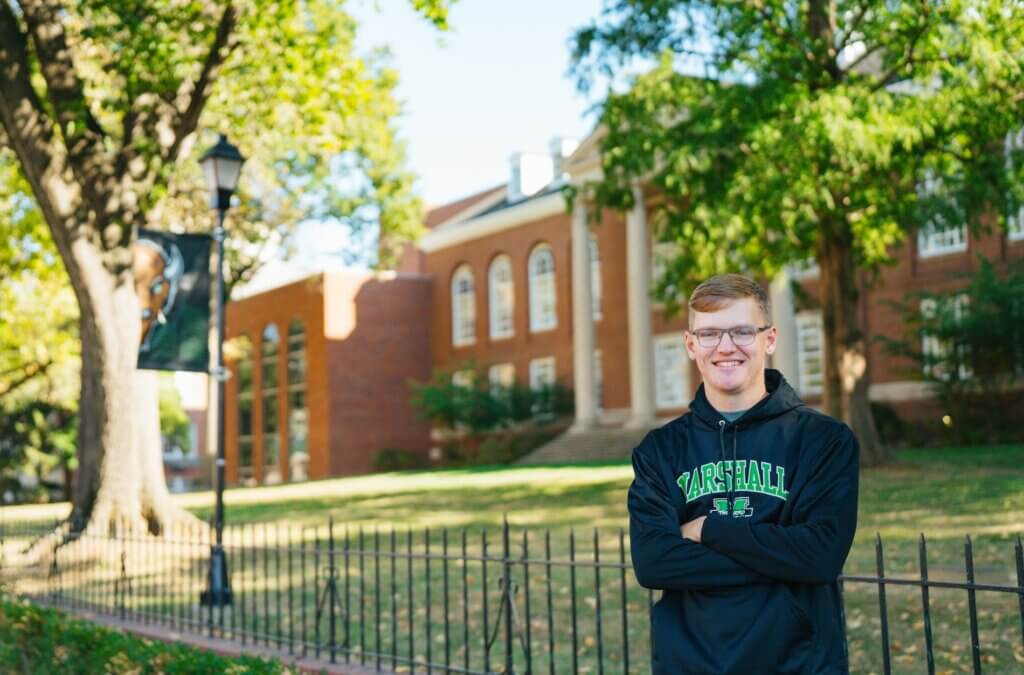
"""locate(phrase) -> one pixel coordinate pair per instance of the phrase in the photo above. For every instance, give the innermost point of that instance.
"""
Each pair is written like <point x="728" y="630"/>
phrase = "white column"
<point x="785" y="358"/>
<point x="582" y="321"/>
<point x="638" y="289"/>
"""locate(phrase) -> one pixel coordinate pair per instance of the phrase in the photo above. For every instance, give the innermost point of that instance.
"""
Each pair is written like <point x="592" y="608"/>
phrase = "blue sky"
<point x="492" y="85"/>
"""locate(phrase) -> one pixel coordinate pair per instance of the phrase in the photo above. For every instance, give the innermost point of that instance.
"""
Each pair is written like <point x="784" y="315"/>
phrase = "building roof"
<point x="444" y="212"/>
<point x="554" y="186"/>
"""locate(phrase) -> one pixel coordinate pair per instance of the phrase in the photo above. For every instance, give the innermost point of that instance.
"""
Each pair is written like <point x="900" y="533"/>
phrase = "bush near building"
<point x="968" y="345"/>
<point x="479" y="422"/>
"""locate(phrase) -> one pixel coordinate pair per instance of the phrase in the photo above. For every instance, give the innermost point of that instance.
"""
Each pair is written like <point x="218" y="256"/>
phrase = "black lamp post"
<point x="222" y="164"/>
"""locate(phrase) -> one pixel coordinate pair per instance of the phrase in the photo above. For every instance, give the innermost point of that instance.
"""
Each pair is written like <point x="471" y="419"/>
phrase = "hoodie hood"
<point x="780" y="399"/>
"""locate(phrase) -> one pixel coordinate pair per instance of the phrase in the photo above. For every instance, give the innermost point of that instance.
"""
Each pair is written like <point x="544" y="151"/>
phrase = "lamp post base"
<point x="218" y="592"/>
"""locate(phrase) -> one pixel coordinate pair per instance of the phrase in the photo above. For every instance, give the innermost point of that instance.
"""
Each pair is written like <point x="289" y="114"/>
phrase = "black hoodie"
<point x="759" y="594"/>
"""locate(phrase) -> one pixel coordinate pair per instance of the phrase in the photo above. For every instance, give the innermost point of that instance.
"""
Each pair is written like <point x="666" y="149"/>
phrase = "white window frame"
<point x="595" y="276"/>
<point x="542" y="372"/>
<point x="932" y="345"/>
<point x="543" y="293"/>
<point x="463" y="378"/>
<point x="463" y="307"/>
<point x="810" y="345"/>
<point x="501" y="375"/>
<point x="1014" y="142"/>
<point x="501" y="298"/>
<point x="662" y="384"/>
<point x="937" y="238"/>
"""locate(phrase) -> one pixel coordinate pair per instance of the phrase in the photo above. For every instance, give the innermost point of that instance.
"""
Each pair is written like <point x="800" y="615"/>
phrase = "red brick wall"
<point x="301" y="300"/>
<point x="517" y="242"/>
<point x="377" y="340"/>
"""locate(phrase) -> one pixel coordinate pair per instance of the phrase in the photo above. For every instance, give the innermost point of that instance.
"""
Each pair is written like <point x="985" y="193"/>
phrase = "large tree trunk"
<point x="120" y="475"/>
<point x="88" y="187"/>
<point x="846" y="377"/>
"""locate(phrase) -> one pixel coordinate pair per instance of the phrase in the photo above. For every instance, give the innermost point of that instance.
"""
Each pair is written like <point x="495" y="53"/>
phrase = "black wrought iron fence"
<point x="462" y="602"/>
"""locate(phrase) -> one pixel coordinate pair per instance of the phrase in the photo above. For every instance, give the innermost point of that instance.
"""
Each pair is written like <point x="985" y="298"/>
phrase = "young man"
<point x="743" y="510"/>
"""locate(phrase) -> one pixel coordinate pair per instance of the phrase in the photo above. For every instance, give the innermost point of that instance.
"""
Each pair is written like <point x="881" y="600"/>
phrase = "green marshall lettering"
<point x="769" y="489"/>
<point x="741" y="474"/>
<point x="734" y="476"/>
<point x="780" y="472"/>
<point x="693" y="492"/>
<point x="710" y="482"/>
<point x="722" y="474"/>
<point x="754" y="478"/>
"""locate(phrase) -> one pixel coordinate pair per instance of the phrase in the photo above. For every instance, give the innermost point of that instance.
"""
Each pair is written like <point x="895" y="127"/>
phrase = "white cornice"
<point x="505" y="219"/>
<point x="474" y="208"/>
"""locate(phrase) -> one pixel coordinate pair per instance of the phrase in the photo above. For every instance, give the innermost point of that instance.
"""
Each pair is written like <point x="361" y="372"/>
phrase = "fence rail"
<point x="460" y="602"/>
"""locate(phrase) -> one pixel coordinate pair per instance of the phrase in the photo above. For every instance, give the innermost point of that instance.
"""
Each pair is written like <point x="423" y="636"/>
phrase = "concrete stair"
<point x="600" y="444"/>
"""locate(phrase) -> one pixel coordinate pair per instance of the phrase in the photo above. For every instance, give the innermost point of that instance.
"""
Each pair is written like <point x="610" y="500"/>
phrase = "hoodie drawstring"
<point x="730" y="467"/>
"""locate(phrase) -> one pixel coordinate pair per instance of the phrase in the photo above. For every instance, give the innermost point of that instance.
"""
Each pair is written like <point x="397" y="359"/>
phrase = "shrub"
<point x="40" y="640"/>
<point x="968" y="344"/>
<point x="478" y="406"/>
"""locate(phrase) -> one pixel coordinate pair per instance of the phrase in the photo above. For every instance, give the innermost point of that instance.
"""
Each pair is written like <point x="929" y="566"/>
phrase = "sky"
<point x="494" y="84"/>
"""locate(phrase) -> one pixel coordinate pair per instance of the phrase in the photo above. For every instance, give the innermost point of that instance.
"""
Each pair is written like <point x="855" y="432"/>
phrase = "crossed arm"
<point x="717" y="550"/>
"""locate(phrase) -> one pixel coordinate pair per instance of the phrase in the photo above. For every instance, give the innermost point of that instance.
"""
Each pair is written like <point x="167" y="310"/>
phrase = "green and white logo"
<point x="741" y="507"/>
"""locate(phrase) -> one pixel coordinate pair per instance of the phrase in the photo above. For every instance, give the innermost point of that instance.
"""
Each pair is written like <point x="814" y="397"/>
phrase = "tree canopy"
<point x="774" y="132"/>
<point x="105" y="108"/>
<point x="765" y="132"/>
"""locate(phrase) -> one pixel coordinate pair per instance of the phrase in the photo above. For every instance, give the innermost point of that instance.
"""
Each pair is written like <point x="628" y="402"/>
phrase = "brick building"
<point x="513" y="273"/>
<point x="509" y="282"/>
<point x="319" y="372"/>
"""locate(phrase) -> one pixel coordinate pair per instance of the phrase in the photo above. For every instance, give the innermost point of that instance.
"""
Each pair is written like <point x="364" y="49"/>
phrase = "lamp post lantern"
<point x="222" y="165"/>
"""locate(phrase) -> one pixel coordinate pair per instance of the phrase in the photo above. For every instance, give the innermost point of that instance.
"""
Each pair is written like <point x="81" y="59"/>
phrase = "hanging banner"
<point x="172" y="280"/>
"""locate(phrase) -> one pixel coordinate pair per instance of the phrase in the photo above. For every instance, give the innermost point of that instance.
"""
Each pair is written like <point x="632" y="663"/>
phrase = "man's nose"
<point x="726" y="344"/>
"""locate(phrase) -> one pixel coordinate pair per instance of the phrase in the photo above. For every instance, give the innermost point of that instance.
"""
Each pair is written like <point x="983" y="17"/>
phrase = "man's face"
<point x="729" y="369"/>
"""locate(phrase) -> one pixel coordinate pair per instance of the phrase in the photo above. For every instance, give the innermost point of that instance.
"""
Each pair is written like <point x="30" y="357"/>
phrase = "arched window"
<point x="501" y="297"/>
<point x="268" y="364"/>
<point x="243" y="378"/>
<point x="541" y="266"/>
<point x="595" y="277"/>
<point x="463" y="307"/>
<point x="298" y="415"/>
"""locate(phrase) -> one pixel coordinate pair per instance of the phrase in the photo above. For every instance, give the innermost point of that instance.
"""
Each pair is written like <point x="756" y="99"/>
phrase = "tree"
<point x="775" y="132"/>
<point x="102" y="104"/>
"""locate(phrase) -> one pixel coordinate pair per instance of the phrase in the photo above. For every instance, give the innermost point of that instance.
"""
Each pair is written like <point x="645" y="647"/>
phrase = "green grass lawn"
<point x="945" y="494"/>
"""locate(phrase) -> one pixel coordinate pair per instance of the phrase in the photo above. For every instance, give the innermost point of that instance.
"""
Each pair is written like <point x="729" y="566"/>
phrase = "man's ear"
<point x="772" y="336"/>
<point x="690" y="348"/>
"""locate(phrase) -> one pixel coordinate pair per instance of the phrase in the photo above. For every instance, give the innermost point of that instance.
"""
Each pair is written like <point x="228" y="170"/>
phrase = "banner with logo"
<point x="172" y="280"/>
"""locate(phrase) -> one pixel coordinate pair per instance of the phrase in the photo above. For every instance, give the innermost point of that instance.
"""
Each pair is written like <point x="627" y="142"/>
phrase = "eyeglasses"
<point x="741" y="336"/>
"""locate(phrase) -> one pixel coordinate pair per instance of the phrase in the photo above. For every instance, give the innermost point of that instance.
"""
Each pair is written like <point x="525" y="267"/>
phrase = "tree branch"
<point x="29" y="130"/>
<point x="188" y="118"/>
<point x="853" y="26"/>
<point x="28" y="373"/>
<point x="83" y="135"/>
<point x="908" y="59"/>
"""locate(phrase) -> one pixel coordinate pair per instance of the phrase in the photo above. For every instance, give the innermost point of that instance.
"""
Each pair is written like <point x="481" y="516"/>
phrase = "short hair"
<point x="715" y="293"/>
